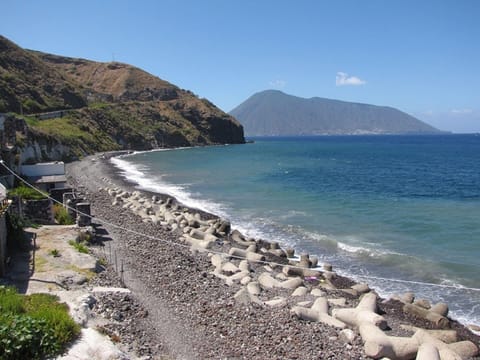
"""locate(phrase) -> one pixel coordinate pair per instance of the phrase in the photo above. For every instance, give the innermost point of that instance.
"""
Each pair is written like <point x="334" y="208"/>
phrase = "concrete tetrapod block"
<point x="378" y="345"/>
<point x="281" y="277"/>
<point x="317" y="292"/>
<point x="268" y="282"/>
<point x="216" y="261"/>
<point x="300" y="291"/>
<point x="458" y="350"/>
<point x="337" y="302"/>
<point x="318" y="313"/>
<point x="237" y="237"/>
<point x="246" y="280"/>
<point x="466" y="349"/>
<point x="244" y="266"/>
<point x="254" y="288"/>
<point x="277" y="252"/>
<point x="361" y="288"/>
<point x="243" y="254"/>
<point x="447" y="336"/>
<point x="438" y="320"/>
<point x="427" y="352"/>
<point x="196" y="243"/>
<point x="303" y="272"/>
<point x="244" y="297"/>
<point x="201" y="235"/>
<point x="424" y="303"/>
<point x="223" y="226"/>
<point x="365" y="312"/>
<point x="278" y="301"/>
<point x="440" y="308"/>
<point x="290" y="252"/>
<point x="230" y="268"/>
<point x="236" y="277"/>
<point x="234" y="272"/>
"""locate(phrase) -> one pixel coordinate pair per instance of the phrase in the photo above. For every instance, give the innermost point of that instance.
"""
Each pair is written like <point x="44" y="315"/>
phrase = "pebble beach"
<point x="201" y="290"/>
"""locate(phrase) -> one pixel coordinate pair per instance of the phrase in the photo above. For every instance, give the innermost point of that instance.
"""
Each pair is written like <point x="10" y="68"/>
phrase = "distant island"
<point x="274" y="113"/>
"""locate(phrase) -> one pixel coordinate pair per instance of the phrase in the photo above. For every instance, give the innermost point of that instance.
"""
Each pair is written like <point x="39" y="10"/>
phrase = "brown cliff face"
<point x="28" y="84"/>
<point x="110" y="105"/>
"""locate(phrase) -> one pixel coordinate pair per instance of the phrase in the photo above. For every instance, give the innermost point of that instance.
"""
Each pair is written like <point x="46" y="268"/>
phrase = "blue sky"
<point x="421" y="57"/>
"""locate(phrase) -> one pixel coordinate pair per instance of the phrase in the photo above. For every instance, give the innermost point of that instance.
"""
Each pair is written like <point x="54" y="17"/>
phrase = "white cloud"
<point x="343" y="79"/>
<point x="461" y="111"/>
<point x="427" y="112"/>
<point x="278" y="84"/>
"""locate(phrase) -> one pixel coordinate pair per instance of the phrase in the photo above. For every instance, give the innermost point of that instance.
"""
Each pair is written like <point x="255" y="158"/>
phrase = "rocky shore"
<point x="201" y="290"/>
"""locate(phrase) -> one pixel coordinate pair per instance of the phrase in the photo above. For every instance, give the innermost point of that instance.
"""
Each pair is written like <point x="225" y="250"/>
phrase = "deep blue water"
<point x="405" y="208"/>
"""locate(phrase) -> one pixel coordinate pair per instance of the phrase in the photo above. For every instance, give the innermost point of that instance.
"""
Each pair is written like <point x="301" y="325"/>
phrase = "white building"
<point x="45" y="176"/>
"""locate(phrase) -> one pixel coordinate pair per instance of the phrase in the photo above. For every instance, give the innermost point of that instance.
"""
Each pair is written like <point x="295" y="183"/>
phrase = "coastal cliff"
<point x="74" y="107"/>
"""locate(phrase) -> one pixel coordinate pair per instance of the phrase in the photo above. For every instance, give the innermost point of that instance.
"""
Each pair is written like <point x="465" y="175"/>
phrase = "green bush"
<point x="61" y="215"/>
<point x="47" y="307"/>
<point x="80" y="247"/>
<point x="23" y="337"/>
<point x="54" y="253"/>
<point x="10" y="301"/>
<point x="34" y="326"/>
<point x="27" y="193"/>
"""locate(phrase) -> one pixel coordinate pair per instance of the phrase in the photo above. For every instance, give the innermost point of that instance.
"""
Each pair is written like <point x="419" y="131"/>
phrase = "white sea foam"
<point x="365" y="251"/>
<point x="154" y="183"/>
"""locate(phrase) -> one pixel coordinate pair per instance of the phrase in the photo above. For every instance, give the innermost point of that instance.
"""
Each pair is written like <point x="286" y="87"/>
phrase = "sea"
<point x="401" y="213"/>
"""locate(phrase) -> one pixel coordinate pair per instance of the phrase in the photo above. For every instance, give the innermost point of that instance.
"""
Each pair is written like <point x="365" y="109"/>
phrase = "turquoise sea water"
<point x="399" y="212"/>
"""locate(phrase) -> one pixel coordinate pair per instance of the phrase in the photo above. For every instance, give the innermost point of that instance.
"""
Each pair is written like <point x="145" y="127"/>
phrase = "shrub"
<point x="54" y="253"/>
<point x="27" y="193"/>
<point x="47" y="307"/>
<point x="34" y="326"/>
<point x="61" y="215"/>
<point x="23" y="337"/>
<point x="10" y="301"/>
<point x="80" y="247"/>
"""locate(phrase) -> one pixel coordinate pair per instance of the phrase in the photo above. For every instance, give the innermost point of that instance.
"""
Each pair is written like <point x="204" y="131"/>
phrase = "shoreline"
<point x="275" y="318"/>
<point x="381" y="276"/>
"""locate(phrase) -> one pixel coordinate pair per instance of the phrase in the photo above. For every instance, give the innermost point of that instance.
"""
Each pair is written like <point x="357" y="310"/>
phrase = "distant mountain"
<point x="274" y="113"/>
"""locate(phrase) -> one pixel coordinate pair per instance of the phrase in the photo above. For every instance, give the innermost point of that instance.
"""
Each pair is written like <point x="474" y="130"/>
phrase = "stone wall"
<point x="57" y="194"/>
<point x="37" y="211"/>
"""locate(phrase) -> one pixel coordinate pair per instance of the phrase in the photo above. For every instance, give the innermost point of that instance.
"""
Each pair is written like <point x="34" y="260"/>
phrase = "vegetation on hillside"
<point x="111" y="106"/>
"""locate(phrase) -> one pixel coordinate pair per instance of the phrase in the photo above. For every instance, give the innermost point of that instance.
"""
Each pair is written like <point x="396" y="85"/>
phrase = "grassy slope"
<point x="113" y="105"/>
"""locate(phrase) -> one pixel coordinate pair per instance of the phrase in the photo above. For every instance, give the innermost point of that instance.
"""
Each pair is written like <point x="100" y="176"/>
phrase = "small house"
<point x="45" y="176"/>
